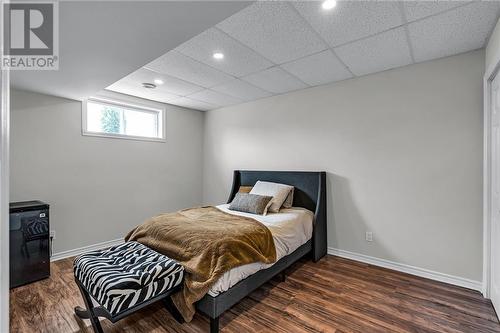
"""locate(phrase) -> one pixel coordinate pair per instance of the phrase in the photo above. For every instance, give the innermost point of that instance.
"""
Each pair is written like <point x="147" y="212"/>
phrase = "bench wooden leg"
<point x="82" y="313"/>
<point x="214" y="325"/>
<point x="167" y="301"/>
<point x="89" y="313"/>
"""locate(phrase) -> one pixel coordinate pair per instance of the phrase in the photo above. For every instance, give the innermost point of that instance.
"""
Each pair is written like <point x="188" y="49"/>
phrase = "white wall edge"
<point x="421" y="272"/>
<point x="83" y="249"/>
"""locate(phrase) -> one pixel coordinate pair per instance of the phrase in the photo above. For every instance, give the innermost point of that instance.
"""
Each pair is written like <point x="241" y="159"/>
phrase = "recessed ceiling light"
<point x="218" y="55"/>
<point x="149" y="85"/>
<point x="329" y="4"/>
<point x="158" y="81"/>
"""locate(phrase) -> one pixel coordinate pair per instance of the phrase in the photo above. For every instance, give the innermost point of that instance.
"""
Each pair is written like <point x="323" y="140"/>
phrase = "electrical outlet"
<point x="53" y="234"/>
<point x="369" y="236"/>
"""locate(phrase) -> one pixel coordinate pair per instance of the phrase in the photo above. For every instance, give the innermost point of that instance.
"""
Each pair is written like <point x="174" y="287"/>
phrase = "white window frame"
<point x="161" y="126"/>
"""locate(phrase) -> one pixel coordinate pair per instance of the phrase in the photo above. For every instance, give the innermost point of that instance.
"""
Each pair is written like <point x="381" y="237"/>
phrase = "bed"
<point x="309" y="194"/>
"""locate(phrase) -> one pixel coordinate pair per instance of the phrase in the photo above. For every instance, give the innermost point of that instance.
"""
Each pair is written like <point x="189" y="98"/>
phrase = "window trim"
<point x="130" y="106"/>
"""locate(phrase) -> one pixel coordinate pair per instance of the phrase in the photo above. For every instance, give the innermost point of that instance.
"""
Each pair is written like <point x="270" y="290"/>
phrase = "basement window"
<point x="115" y="119"/>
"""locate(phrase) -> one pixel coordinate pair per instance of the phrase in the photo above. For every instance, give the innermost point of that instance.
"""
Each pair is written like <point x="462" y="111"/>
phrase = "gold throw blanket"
<point x="207" y="242"/>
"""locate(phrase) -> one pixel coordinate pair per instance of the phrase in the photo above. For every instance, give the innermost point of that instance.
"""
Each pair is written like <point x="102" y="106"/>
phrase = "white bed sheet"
<point x="291" y="228"/>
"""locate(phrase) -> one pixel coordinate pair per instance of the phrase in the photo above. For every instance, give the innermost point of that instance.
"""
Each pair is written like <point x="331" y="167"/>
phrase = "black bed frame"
<point x="310" y="193"/>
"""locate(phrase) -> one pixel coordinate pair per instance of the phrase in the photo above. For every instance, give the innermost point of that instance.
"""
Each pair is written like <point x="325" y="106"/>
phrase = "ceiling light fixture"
<point x="148" y="85"/>
<point x="218" y="55"/>
<point x="329" y="4"/>
<point x="158" y="81"/>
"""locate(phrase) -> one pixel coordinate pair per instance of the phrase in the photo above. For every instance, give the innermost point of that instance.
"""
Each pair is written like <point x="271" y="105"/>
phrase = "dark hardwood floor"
<point x="333" y="295"/>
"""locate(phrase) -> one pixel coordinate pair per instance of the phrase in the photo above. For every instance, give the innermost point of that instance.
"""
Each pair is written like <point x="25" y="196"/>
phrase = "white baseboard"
<point x="422" y="272"/>
<point x="80" y="250"/>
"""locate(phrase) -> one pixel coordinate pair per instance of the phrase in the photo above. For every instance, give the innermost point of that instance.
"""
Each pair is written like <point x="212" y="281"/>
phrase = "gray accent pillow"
<point x="251" y="203"/>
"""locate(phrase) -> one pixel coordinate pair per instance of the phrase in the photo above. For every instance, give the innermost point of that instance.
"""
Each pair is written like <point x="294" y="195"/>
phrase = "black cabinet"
<point x="29" y="242"/>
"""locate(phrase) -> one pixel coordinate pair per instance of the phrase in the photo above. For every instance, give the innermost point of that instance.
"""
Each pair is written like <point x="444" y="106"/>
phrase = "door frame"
<point x="4" y="199"/>
<point x="4" y="189"/>
<point x="490" y="74"/>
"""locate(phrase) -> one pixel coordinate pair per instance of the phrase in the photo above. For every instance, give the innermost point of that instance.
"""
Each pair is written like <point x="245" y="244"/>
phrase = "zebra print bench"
<point x="124" y="279"/>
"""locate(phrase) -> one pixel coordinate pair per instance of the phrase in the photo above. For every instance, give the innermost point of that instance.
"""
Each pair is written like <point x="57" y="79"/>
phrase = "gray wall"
<point x="403" y="152"/>
<point x="402" y="149"/>
<point x="99" y="188"/>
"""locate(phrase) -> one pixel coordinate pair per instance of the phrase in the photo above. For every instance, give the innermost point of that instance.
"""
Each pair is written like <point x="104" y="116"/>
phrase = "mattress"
<point x="291" y="228"/>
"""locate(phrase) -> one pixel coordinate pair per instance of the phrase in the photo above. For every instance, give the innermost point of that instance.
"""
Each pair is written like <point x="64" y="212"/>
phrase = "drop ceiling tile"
<point x="320" y="68"/>
<point x="275" y="80"/>
<point x="459" y="30"/>
<point x="273" y="29"/>
<point x="350" y="20"/>
<point x="238" y="59"/>
<point x="378" y="53"/>
<point x="182" y="67"/>
<point x="242" y="90"/>
<point x="132" y="89"/>
<point x="415" y="10"/>
<point x="193" y="104"/>
<point x="214" y="98"/>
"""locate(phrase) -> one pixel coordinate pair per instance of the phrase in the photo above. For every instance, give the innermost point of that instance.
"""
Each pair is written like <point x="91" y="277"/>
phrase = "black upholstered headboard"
<point x="310" y="193"/>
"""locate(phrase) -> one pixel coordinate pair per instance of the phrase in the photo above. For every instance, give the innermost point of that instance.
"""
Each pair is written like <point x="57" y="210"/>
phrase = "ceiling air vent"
<point x="149" y="85"/>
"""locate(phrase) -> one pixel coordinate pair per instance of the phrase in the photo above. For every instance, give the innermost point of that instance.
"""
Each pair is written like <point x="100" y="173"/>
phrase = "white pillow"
<point x="279" y="192"/>
<point x="289" y="199"/>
